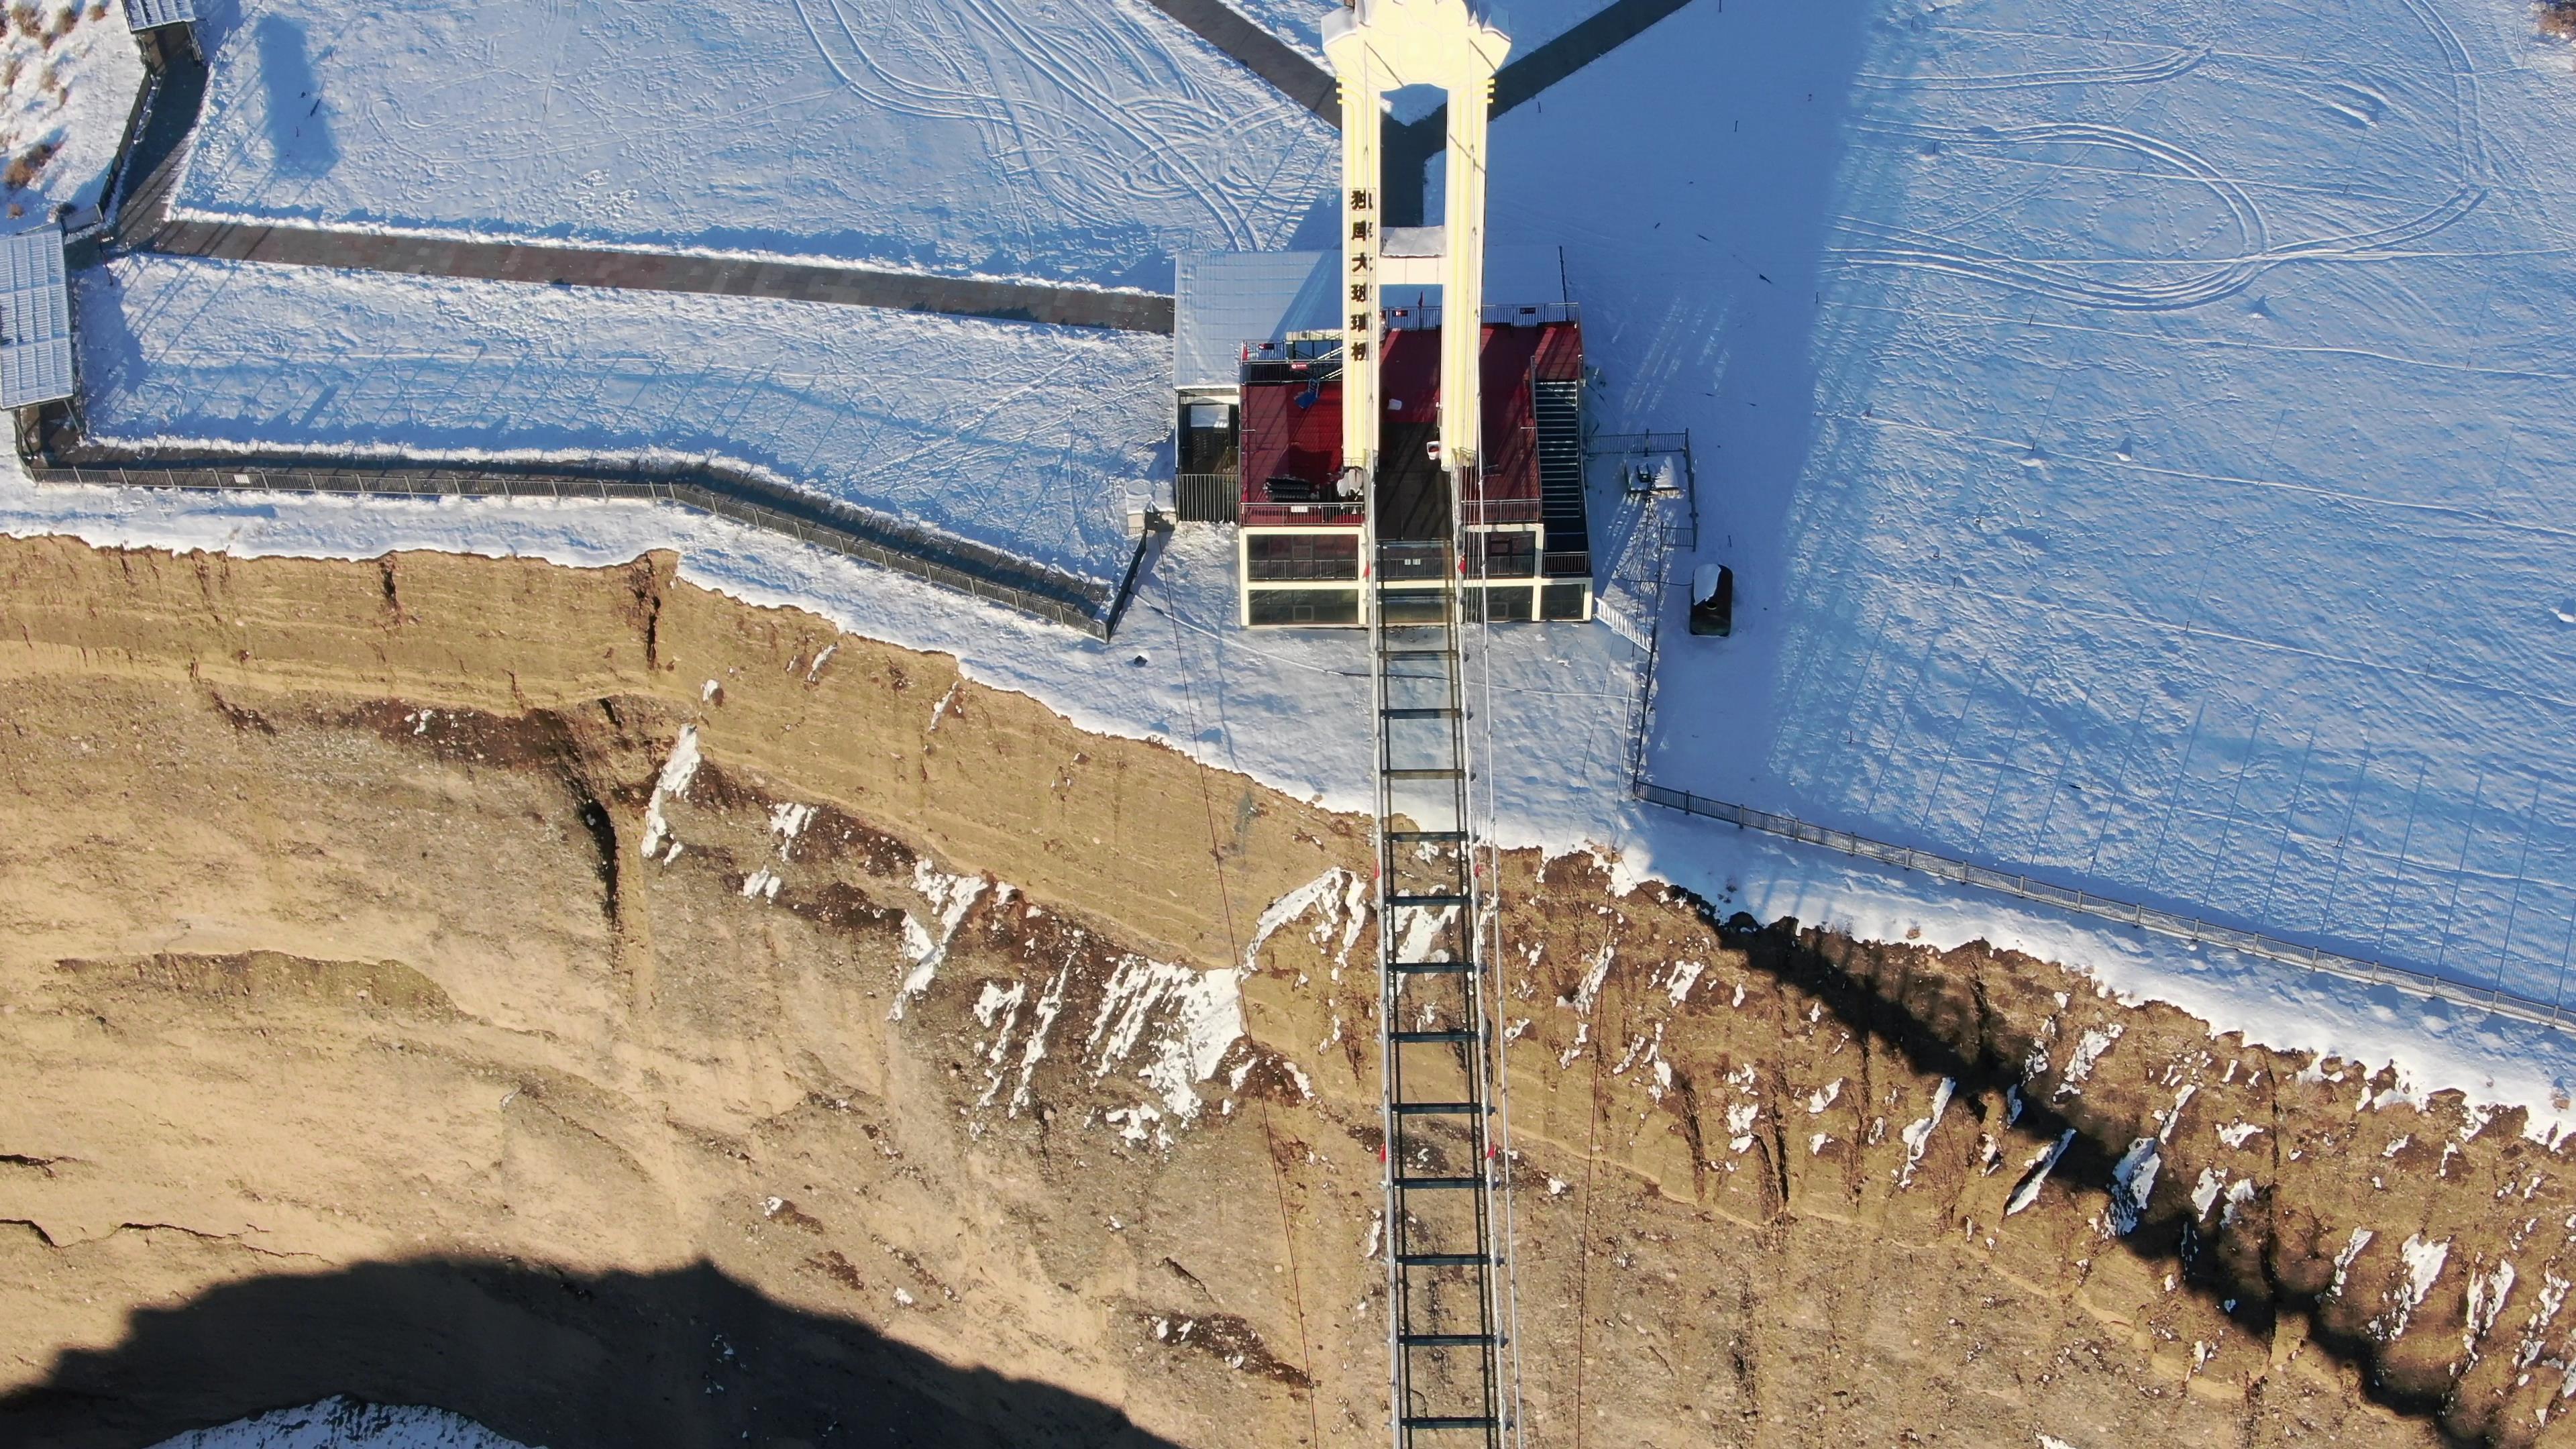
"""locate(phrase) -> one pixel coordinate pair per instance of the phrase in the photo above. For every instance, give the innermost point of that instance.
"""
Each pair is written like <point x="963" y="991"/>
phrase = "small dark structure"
<point x="161" y="27"/>
<point x="1712" y="608"/>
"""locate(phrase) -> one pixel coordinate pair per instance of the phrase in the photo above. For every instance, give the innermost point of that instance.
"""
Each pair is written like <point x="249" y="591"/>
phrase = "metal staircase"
<point x="1558" y="411"/>
<point x="1448" y="1284"/>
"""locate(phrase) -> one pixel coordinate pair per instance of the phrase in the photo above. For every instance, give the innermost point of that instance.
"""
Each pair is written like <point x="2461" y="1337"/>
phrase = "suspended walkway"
<point x="1447" y="1217"/>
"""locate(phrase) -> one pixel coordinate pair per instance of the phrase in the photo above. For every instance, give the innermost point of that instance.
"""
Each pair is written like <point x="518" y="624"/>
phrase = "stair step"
<point x="1444" y="1340"/>
<point x="1438" y="1182"/>
<point x="1451" y="773"/>
<point x="1408" y="837"/>
<point x="1411" y="713"/>
<point x="1443" y="899"/>
<point x="1443" y="1035"/>
<point x="1438" y="1109"/>
<point x="1451" y="1421"/>
<point x="1432" y="968"/>
<point x="1443" y="1260"/>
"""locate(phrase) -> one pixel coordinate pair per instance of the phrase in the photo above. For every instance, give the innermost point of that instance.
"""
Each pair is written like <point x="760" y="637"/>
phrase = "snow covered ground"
<point x="2139" y="437"/>
<point x="345" y="1424"/>
<point x="1023" y="437"/>
<point x="1062" y="140"/>
<point x="66" y="88"/>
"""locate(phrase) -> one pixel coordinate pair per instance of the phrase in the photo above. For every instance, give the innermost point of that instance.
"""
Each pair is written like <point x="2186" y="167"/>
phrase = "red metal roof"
<point x="1282" y="439"/>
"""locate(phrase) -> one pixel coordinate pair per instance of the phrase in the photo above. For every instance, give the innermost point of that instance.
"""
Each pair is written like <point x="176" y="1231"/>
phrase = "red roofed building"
<point x="1526" y="553"/>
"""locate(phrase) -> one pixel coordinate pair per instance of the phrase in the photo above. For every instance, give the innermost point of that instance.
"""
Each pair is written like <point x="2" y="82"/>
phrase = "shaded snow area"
<point x="2138" y="435"/>
<point x="68" y="78"/>
<point x="346" y="1424"/>
<point x="1023" y="437"/>
<point x="1063" y="140"/>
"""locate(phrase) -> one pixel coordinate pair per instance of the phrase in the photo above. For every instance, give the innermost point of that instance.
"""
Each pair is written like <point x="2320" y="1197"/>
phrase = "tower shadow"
<point x="689" y="1357"/>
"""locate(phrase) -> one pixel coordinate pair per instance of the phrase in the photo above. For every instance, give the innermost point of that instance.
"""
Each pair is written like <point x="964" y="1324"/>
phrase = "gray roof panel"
<point x="1222" y="300"/>
<point x="35" y="319"/>
<point x="148" y="14"/>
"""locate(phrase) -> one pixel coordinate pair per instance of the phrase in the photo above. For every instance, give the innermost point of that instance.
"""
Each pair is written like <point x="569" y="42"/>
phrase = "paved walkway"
<point x="1264" y="54"/>
<point x="664" y="272"/>
<point x="1409" y="148"/>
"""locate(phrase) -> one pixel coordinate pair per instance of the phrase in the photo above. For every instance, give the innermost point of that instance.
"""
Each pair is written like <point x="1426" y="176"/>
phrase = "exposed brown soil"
<point x="350" y="1042"/>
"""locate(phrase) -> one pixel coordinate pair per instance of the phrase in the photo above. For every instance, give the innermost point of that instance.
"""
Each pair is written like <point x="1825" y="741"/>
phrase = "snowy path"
<point x="667" y="272"/>
<point x="1265" y="55"/>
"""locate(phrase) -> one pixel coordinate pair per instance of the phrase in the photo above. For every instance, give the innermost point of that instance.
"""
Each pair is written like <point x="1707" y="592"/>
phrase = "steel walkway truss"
<point x="1450" y="1306"/>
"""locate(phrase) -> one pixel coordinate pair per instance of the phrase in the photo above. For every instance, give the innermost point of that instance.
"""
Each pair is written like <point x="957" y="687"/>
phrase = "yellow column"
<point x="1362" y="325"/>
<point x="1462" y="289"/>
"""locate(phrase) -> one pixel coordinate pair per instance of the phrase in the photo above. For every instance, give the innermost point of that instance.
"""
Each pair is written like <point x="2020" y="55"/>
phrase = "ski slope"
<point x="1057" y="140"/>
<point x="2139" y="437"/>
<point x="1023" y="437"/>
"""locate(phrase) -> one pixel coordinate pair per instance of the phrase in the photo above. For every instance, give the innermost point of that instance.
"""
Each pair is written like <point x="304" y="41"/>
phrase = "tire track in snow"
<point x="2076" y="279"/>
<point x="2180" y="60"/>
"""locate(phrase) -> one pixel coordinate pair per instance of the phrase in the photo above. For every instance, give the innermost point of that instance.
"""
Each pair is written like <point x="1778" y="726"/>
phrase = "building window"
<point x="1512" y="555"/>
<point x="1303" y="606"/>
<point x="1280" y="557"/>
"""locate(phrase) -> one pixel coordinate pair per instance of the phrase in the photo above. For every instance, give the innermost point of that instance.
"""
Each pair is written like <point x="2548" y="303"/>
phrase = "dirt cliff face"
<point x="628" y="1016"/>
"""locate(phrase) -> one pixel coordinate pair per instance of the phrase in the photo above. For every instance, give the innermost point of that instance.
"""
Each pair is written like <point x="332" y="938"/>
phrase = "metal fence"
<point x="2129" y="913"/>
<point x="968" y="568"/>
<point x="1207" y="497"/>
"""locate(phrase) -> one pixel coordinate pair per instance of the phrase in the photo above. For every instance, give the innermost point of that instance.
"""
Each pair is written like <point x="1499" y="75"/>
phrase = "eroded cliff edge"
<point x="625" y="1015"/>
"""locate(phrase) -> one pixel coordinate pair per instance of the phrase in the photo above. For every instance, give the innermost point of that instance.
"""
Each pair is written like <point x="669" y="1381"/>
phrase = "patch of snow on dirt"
<point x="787" y="821"/>
<point x="1331" y="892"/>
<point x="1049" y="1006"/>
<point x="2423" y="1258"/>
<point x="1422" y="928"/>
<point x="1917" y="1135"/>
<point x="1739" y="1125"/>
<point x="1589" y="991"/>
<point x="671" y="784"/>
<point x="2352" y="1247"/>
<point x="1200" y="1014"/>
<point x="2133" y="1180"/>
<point x="2487" y="1294"/>
<point x="2088" y="1050"/>
<point x="345" y="1423"/>
<point x="2037" y="1175"/>
<point x="951" y="896"/>
<point x="1685" y="974"/>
